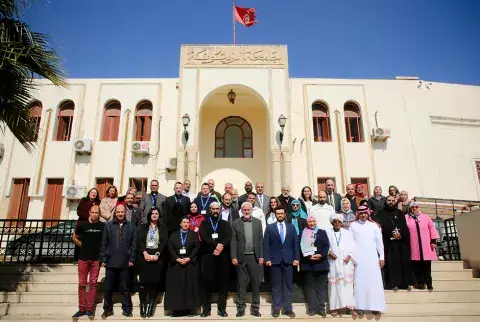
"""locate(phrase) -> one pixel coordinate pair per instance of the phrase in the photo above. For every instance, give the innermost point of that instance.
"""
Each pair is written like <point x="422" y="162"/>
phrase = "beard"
<point x="322" y="202"/>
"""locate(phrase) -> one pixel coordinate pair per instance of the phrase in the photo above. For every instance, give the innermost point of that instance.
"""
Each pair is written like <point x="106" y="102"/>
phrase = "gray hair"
<point x="246" y="203"/>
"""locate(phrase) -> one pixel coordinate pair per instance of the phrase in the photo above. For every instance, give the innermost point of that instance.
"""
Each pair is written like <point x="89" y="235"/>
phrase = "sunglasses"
<point x="414" y="207"/>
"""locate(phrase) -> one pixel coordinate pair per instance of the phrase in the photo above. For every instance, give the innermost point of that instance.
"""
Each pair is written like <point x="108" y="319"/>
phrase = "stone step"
<point x="61" y="286"/>
<point x="465" y="274"/>
<point x="437" y="266"/>
<point x="407" y="310"/>
<point x="413" y="297"/>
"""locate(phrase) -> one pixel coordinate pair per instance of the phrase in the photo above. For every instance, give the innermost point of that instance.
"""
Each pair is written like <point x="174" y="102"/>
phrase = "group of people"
<point x="187" y="245"/>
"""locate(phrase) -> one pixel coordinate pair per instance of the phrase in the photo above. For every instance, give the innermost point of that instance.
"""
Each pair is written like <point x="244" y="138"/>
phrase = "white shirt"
<point x="225" y="213"/>
<point x="284" y="229"/>
<point x="189" y="195"/>
<point x="322" y="215"/>
<point x="271" y="219"/>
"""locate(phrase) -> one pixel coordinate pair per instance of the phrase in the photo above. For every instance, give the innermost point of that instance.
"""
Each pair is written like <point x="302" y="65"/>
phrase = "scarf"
<point x="358" y="194"/>
<point x="300" y="211"/>
<point x="308" y="239"/>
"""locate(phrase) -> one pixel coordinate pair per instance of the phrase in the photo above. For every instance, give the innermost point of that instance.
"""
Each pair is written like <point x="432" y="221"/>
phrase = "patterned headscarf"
<point x="295" y="214"/>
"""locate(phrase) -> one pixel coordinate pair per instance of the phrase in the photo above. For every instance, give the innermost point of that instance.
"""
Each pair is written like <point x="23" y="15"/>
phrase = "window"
<point x="36" y="113"/>
<point x="233" y="138"/>
<point x="65" y="121"/>
<point x="141" y="185"/>
<point x="364" y="182"/>
<point x="52" y="209"/>
<point x="322" y="183"/>
<point x="477" y="165"/>
<point x="321" y="122"/>
<point x="111" y="121"/>
<point x="102" y="185"/>
<point x="143" y="121"/>
<point x="19" y="199"/>
<point x="353" y="122"/>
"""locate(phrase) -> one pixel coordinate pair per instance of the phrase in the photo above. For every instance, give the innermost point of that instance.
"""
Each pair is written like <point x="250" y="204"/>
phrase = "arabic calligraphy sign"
<point x="222" y="56"/>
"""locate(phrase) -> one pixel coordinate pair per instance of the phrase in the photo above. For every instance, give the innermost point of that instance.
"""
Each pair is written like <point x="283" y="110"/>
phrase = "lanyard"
<point x="183" y="240"/>
<point x="204" y="204"/>
<point x="154" y="200"/>
<point x="211" y="223"/>
<point x="339" y="238"/>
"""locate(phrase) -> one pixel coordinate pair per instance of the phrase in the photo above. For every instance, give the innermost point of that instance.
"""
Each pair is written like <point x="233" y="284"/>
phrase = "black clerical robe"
<point x="397" y="270"/>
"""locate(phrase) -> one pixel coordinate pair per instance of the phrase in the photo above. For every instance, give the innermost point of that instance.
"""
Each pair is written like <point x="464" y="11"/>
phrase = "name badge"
<point x="183" y="251"/>
<point x="215" y="236"/>
<point x="150" y="244"/>
<point x="203" y="212"/>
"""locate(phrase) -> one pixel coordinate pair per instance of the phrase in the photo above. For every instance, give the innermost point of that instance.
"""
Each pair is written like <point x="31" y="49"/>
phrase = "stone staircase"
<point x="49" y="292"/>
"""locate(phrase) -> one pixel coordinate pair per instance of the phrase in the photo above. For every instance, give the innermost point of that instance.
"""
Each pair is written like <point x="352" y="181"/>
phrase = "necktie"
<point x="330" y="200"/>
<point x="282" y="235"/>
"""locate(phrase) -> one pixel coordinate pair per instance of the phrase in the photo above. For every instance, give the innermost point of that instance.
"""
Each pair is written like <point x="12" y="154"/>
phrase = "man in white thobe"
<point x="322" y="211"/>
<point x="341" y="259"/>
<point x="369" y="256"/>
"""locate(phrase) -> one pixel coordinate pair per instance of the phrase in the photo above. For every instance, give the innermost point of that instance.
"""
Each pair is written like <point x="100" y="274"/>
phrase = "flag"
<point x="245" y="16"/>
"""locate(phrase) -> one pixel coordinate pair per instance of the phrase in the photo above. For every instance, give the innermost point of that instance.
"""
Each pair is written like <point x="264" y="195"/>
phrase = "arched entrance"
<point x="234" y="139"/>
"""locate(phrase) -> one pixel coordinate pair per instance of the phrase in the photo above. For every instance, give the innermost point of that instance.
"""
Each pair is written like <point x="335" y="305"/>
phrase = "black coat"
<point x="224" y="231"/>
<point x="237" y="248"/>
<point x="118" y="251"/>
<point x="150" y="272"/>
<point x="323" y="245"/>
<point x="285" y="203"/>
<point x="173" y="211"/>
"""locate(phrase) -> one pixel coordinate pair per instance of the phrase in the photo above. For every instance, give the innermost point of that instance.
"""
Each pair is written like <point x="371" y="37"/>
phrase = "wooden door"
<point x="102" y="185"/>
<point x="53" y="199"/>
<point x="19" y="199"/>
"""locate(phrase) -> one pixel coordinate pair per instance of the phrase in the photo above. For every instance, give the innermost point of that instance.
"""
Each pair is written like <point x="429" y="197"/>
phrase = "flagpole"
<point x="233" y="14"/>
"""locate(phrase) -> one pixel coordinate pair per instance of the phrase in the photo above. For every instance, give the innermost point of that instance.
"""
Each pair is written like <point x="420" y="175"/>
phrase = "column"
<point x="287" y="167"/>
<point x="192" y="170"/>
<point x="180" y="175"/>
<point x="276" y="173"/>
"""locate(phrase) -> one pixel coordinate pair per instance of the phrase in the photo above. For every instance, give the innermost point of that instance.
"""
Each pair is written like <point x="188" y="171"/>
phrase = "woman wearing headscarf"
<point x="297" y="217"/>
<point x="347" y="213"/>
<point x="377" y="201"/>
<point x="306" y="199"/>
<point x="394" y="192"/>
<point x="403" y="202"/>
<point x="342" y="265"/>
<point x="195" y="218"/>
<point x="108" y="204"/>
<point x="423" y="241"/>
<point x="83" y="213"/>
<point x="314" y="264"/>
<point x="182" y="293"/>
<point x="359" y="194"/>
<point x="152" y="239"/>
<point x="270" y="216"/>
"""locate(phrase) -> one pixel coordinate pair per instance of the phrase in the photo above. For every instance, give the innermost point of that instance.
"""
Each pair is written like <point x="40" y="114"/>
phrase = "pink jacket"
<point x="427" y="233"/>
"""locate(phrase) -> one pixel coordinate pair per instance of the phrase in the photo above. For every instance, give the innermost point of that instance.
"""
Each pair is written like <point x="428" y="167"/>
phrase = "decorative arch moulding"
<point x="454" y="120"/>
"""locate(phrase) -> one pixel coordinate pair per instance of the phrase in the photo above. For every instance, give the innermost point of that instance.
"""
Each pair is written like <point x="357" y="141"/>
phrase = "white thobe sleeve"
<point x="379" y="242"/>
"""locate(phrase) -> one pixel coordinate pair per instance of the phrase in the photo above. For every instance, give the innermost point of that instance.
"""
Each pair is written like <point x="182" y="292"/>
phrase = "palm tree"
<point x="24" y="54"/>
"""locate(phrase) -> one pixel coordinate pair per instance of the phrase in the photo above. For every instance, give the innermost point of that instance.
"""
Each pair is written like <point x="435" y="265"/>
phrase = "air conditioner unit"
<point x="83" y="146"/>
<point x="380" y="134"/>
<point x="140" y="147"/>
<point x="75" y="192"/>
<point x="171" y="164"/>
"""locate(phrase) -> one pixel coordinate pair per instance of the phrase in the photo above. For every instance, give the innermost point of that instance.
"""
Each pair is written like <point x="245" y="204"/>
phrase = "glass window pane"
<point x="219" y="153"/>
<point x="235" y="121"/>
<point x="247" y="153"/>
<point x="247" y="143"/>
<point x="220" y="128"/>
<point x="219" y="143"/>
<point x="247" y="130"/>
<point x="233" y="142"/>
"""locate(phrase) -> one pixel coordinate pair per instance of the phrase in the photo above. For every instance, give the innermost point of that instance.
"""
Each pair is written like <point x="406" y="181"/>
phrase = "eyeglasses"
<point x="414" y="207"/>
<point x="154" y="185"/>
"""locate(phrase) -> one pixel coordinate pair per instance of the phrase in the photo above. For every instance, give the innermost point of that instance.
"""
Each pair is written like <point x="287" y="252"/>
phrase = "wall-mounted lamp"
<point x="282" y="120"/>
<point x="185" y="122"/>
<point x="231" y="96"/>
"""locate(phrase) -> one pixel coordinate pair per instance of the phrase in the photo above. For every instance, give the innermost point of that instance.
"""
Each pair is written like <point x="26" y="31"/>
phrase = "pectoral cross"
<point x="396" y="231"/>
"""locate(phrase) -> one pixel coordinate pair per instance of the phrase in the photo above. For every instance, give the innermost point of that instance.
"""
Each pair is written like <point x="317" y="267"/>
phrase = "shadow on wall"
<point x="378" y="145"/>
<point x="139" y="159"/>
<point x="83" y="158"/>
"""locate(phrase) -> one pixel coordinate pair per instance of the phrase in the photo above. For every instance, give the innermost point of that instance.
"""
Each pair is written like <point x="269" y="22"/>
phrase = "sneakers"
<point x="79" y="314"/>
<point x="90" y="315"/>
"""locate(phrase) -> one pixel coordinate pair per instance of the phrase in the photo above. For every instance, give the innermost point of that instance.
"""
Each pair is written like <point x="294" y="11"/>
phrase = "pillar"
<point x="276" y="173"/>
<point x="180" y="175"/>
<point x="192" y="170"/>
<point x="287" y="168"/>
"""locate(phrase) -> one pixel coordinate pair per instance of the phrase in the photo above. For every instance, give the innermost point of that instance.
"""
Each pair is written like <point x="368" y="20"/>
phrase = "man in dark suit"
<point x="285" y="198"/>
<point x="152" y="199"/>
<point x="211" y="188"/>
<point x="246" y="250"/>
<point x="262" y="200"/>
<point x="248" y="189"/>
<point x="227" y="211"/>
<point x="281" y="250"/>
<point x="334" y="199"/>
<point x="133" y="214"/>
<point x="175" y="207"/>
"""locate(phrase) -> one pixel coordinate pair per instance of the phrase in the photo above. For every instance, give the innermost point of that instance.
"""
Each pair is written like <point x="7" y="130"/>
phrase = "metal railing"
<point x="27" y="240"/>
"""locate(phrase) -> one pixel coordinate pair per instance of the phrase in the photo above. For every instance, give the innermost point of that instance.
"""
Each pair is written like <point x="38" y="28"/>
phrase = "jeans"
<point x="85" y="303"/>
<point x="119" y="277"/>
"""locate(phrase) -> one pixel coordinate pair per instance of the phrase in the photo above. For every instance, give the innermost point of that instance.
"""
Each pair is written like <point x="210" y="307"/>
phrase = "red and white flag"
<point x="245" y="16"/>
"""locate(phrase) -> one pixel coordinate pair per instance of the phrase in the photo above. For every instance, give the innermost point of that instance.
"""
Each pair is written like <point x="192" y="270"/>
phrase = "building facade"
<point x="137" y="133"/>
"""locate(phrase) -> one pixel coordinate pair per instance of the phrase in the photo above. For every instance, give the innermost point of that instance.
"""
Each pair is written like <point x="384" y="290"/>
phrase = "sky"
<point x="436" y="40"/>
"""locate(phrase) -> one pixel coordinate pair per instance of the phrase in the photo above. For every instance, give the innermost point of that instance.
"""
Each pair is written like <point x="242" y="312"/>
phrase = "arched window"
<point x="111" y="121"/>
<point x="143" y="121"/>
<point x="233" y="138"/>
<point x="353" y="122"/>
<point x="321" y="123"/>
<point x="65" y="121"/>
<point x="36" y="113"/>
